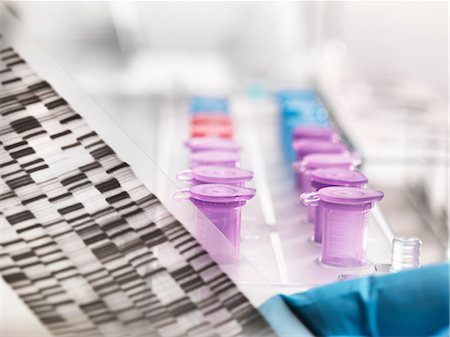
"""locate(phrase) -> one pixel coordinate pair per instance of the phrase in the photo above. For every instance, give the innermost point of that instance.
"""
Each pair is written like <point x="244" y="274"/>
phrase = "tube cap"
<point x="328" y="160"/>
<point x="201" y="130"/>
<point x="314" y="132"/>
<point x="216" y="158"/>
<point x="349" y="195"/>
<point x="338" y="177"/>
<point x="210" y="119"/>
<point x="307" y="146"/>
<point x="209" y="104"/>
<point x="221" y="193"/>
<point x="221" y="175"/>
<point x="212" y="143"/>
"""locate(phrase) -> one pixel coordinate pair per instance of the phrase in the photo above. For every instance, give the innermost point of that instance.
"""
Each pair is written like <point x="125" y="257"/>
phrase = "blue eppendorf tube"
<point x="208" y="104"/>
<point x="298" y="107"/>
<point x="302" y="94"/>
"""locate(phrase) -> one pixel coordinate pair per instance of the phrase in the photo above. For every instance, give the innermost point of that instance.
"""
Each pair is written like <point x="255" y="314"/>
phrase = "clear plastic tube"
<point x="405" y="253"/>
<point x="344" y="240"/>
<point x="227" y="219"/>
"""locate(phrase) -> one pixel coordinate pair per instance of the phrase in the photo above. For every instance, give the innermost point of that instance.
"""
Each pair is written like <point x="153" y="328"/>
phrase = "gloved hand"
<point x="409" y="303"/>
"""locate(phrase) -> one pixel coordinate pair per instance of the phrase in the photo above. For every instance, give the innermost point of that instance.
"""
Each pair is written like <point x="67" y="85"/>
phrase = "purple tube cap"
<point x="349" y="195"/>
<point x="324" y="160"/>
<point x="212" y="143"/>
<point x="304" y="146"/>
<point x="221" y="175"/>
<point x="214" y="157"/>
<point x="328" y="160"/>
<point x="314" y="132"/>
<point x="338" y="176"/>
<point x="221" y="193"/>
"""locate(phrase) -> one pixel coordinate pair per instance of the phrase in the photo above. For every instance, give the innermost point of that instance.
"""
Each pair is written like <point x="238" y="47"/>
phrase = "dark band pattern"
<point x="84" y="244"/>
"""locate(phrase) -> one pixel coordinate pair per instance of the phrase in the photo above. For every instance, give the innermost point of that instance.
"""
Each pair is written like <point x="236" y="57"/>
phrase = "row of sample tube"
<point x="217" y="183"/>
<point x="331" y="188"/>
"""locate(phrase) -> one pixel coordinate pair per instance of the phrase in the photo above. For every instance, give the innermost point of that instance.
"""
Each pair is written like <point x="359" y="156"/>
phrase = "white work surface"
<point x="277" y="256"/>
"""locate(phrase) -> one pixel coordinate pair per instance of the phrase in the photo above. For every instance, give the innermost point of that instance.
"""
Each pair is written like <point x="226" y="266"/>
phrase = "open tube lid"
<point x="219" y="174"/>
<point x="314" y="132"/>
<point x="212" y="143"/>
<point x="349" y="195"/>
<point x="221" y="193"/>
<point x="215" y="157"/>
<point x="338" y="177"/>
<point x="305" y="146"/>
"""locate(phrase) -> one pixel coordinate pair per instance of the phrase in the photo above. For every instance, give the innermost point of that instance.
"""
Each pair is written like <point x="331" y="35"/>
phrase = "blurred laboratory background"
<point x="381" y="67"/>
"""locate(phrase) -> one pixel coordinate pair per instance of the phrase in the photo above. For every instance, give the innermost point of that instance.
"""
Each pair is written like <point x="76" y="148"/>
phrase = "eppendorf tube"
<point x="220" y="204"/>
<point x="212" y="144"/>
<point x="211" y="119"/>
<point x="345" y="217"/>
<point x="303" y="147"/>
<point x="316" y="132"/>
<point x="324" y="178"/>
<point x="215" y="175"/>
<point x="405" y="253"/>
<point x="220" y="131"/>
<point x="215" y="158"/>
<point x="311" y="162"/>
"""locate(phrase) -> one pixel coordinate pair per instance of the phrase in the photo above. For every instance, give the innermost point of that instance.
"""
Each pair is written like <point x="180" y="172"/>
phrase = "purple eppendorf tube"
<point x="321" y="178"/>
<point x="221" y="204"/>
<point x="313" y="162"/>
<point x="324" y="178"/>
<point x="345" y="216"/>
<point x="212" y="144"/>
<point x="215" y="158"/>
<point x="215" y="175"/>
<point x="315" y="132"/>
<point x="304" y="147"/>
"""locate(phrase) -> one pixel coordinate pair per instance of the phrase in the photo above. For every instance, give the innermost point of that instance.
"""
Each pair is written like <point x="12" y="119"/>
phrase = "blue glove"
<point x="282" y="319"/>
<point x="410" y="303"/>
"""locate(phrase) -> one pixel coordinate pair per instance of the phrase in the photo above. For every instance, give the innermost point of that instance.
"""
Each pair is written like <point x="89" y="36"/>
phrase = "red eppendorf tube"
<point x="211" y="119"/>
<point x="210" y="130"/>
